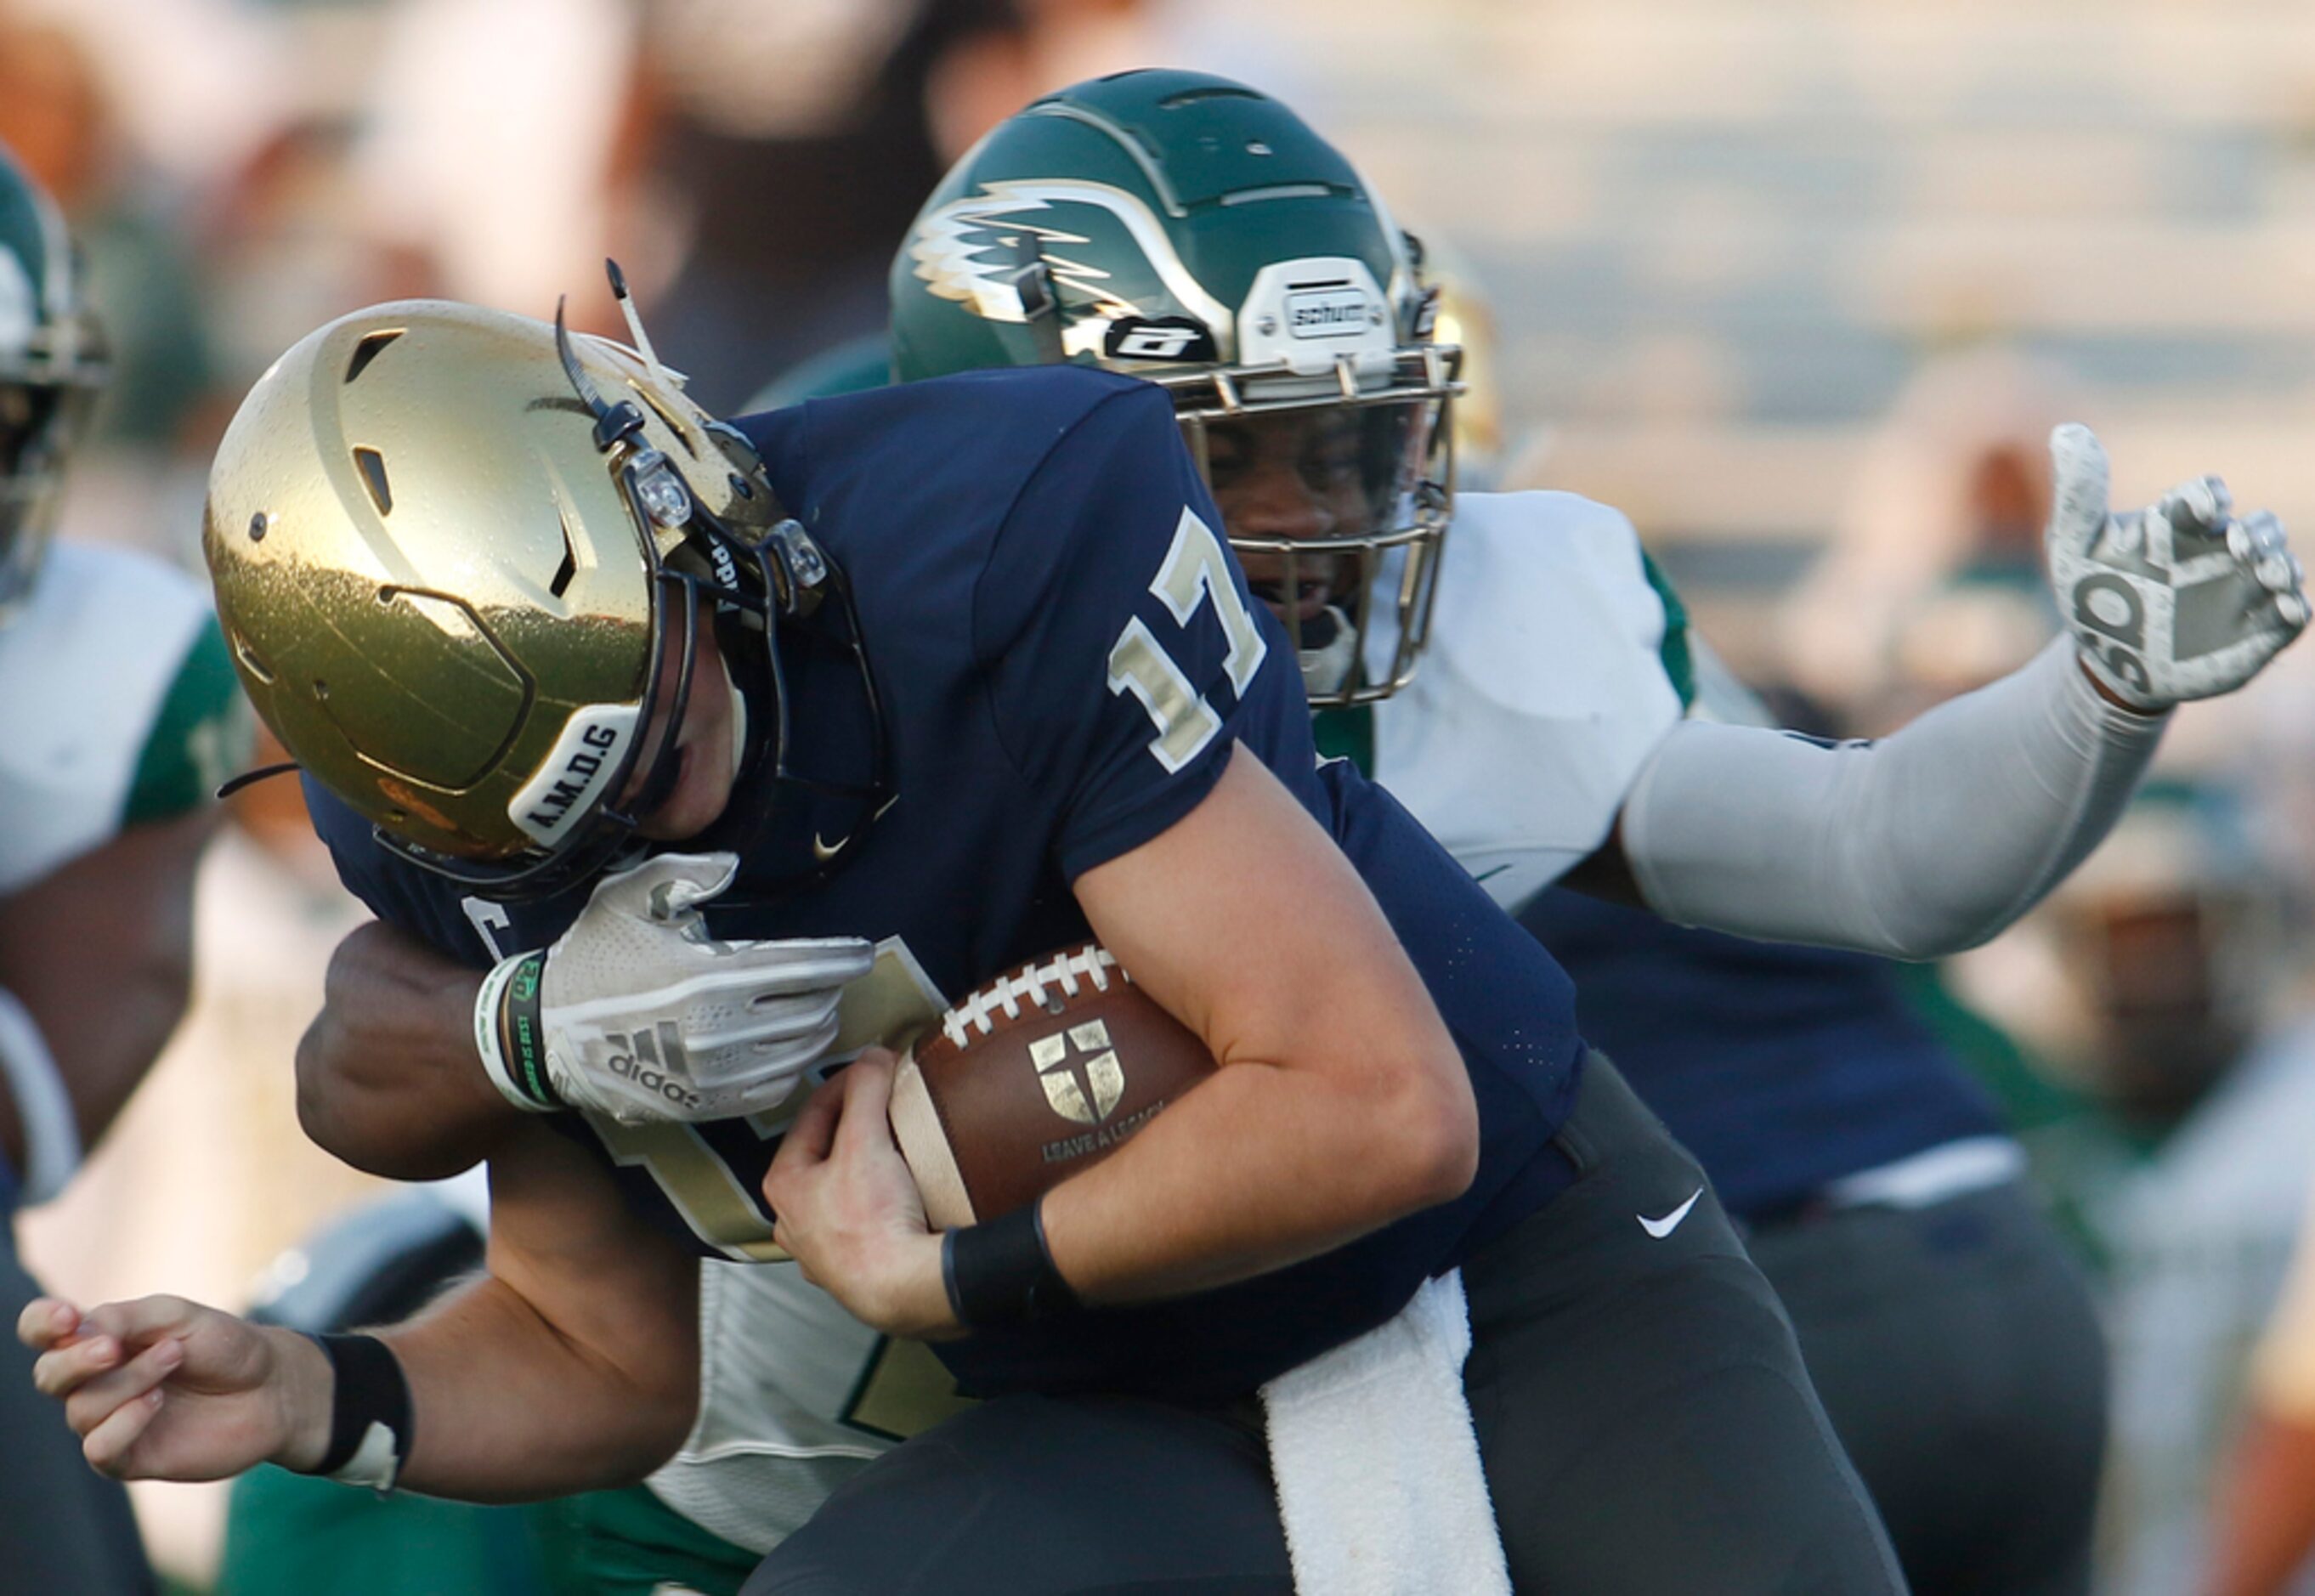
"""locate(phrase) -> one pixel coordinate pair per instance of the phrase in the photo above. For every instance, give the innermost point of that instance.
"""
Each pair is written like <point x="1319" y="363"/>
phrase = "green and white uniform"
<point x="1554" y="670"/>
<point x="118" y="708"/>
<point x="796" y="1397"/>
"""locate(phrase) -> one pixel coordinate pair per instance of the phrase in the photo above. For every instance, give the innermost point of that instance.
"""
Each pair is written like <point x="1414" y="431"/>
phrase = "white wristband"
<point x="375" y="1463"/>
<point x="52" y="1148"/>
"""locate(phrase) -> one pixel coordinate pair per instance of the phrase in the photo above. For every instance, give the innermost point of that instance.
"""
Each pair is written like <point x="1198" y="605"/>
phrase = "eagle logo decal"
<point x="971" y="251"/>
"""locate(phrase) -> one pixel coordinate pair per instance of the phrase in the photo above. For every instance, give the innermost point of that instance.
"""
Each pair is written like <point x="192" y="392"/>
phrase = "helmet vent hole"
<point x="368" y="349"/>
<point x="321" y="690"/>
<point x="373" y="470"/>
<point x="1215" y="91"/>
<point x="567" y="570"/>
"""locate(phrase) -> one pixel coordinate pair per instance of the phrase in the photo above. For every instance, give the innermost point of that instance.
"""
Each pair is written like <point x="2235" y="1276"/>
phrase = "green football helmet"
<point x="52" y="364"/>
<point x="1194" y="232"/>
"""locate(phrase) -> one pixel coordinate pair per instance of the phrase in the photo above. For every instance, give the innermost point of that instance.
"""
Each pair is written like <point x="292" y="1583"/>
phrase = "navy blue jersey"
<point x="1781" y="1069"/>
<point x="1066" y="654"/>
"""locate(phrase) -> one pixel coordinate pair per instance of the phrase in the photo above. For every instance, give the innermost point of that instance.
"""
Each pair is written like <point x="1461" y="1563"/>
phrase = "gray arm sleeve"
<point x="1919" y="845"/>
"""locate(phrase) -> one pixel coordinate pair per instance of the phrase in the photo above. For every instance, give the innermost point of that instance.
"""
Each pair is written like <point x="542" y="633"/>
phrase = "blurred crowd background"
<point x="1801" y="287"/>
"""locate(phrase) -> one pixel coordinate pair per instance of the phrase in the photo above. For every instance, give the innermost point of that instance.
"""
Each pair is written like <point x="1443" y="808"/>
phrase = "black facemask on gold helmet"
<point x="462" y="559"/>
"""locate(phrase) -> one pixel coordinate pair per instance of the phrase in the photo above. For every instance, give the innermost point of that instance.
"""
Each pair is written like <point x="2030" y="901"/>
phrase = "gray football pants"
<point x="1644" y="1418"/>
<point x="63" y="1527"/>
<point x="1957" y="1351"/>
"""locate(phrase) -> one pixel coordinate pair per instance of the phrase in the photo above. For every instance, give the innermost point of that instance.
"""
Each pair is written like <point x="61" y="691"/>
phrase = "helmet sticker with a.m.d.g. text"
<point x="568" y="786"/>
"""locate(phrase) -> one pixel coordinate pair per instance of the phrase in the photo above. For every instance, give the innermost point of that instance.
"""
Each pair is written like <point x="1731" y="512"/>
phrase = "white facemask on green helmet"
<point x="52" y="364"/>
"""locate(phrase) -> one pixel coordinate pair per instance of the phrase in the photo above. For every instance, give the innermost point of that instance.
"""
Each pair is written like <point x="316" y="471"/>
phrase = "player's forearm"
<point x="505" y="1406"/>
<point x="98" y="953"/>
<point x="1342" y="1104"/>
<point x="1257" y="1168"/>
<point x="106" y="1048"/>
<point x="510" y="1407"/>
<point x="574" y="1364"/>
<point x="388" y="1079"/>
<point x="1922" y="844"/>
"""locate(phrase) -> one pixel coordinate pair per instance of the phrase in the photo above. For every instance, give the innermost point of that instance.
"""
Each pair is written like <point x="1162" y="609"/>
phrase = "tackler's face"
<point x="1302" y="492"/>
<point x="1296" y="476"/>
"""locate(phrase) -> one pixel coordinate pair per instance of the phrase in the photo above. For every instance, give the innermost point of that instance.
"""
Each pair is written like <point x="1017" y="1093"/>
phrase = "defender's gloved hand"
<point x="2177" y="602"/>
<point x="636" y="1012"/>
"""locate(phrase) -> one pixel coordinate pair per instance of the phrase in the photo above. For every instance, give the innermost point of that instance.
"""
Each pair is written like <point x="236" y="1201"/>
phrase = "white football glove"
<point x="636" y="1012"/>
<point x="2177" y="602"/>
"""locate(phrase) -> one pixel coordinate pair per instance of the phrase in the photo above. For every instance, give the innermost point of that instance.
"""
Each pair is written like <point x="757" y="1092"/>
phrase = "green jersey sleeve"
<point x="199" y="737"/>
<point x="1679" y="659"/>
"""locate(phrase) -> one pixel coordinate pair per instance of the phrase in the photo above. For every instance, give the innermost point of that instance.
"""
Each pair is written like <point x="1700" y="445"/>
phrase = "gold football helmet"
<point x="449" y="544"/>
<point x="1465" y="320"/>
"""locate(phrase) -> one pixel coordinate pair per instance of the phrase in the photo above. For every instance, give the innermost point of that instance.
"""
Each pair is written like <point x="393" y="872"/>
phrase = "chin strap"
<point x="52" y="1150"/>
<point x="739" y="702"/>
<point x="1327" y="668"/>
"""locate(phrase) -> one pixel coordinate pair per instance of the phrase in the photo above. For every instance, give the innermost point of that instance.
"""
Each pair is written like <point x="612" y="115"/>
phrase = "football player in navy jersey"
<point x="1878" y="1189"/>
<point x="1559" y="729"/>
<point x="959" y="672"/>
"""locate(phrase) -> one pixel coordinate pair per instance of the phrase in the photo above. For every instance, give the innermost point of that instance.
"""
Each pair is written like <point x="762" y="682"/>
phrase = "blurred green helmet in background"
<point x="1194" y="232"/>
<point x="52" y="364"/>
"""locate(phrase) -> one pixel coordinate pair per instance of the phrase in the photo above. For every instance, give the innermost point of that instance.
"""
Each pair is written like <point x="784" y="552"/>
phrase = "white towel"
<point x="1377" y="1466"/>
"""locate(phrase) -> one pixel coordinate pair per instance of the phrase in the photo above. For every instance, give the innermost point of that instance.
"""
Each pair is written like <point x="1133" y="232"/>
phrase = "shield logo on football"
<point x="1083" y="1077"/>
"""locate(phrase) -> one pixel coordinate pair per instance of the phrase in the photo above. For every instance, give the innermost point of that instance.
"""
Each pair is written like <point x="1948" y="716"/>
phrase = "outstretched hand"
<point x="164" y="1389"/>
<point x="2177" y="602"/>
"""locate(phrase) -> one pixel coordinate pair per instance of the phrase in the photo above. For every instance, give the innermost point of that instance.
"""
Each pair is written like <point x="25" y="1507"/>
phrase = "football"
<point x="1033" y="1077"/>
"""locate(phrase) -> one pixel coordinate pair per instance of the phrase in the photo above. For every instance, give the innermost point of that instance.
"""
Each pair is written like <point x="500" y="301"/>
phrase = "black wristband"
<point x="369" y="1392"/>
<point x="1002" y="1273"/>
<point x="525" y="1034"/>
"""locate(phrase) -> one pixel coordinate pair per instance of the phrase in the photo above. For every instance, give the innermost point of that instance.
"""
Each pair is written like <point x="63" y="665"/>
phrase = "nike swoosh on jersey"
<point x="1665" y="1226"/>
<point x="822" y="851"/>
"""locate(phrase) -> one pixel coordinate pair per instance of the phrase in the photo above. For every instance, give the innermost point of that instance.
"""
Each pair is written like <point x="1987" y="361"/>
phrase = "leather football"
<point x="1035" y="1077"/>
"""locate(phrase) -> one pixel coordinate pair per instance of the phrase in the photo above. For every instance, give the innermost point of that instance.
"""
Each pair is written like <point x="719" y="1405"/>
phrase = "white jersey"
<point x="86" y="667"/>
<point x="1541" y="693"/>
<point x="795" y="1397"/>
